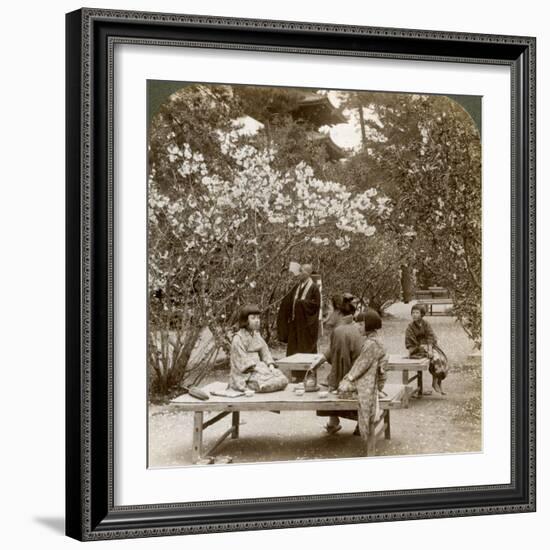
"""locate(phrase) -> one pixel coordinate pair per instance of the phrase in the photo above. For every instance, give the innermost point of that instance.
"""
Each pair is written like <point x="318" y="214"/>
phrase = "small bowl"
<point x="323" y="394"/>
<point x="249" y="393"/>
<point x="299" y="386"/>
<point x="300" y="392"/>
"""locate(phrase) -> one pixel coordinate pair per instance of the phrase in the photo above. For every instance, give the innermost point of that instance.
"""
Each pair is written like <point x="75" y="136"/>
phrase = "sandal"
<point x="331" y="430"/>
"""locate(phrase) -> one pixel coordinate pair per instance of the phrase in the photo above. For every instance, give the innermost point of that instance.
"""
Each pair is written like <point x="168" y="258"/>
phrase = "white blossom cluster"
<point x="252" y="200"/>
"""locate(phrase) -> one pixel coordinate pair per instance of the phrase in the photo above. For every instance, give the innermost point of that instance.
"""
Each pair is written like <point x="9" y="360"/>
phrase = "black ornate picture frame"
<point x="90" y="510"/>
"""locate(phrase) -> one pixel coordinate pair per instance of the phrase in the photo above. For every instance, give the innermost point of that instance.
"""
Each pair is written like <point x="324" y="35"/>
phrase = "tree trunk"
<point x="406" y="284"/>
<point x="362" y="123"/>
<point x="177" y="371"/>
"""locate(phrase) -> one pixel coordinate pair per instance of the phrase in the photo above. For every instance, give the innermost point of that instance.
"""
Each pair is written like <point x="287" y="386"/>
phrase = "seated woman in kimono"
<point x="252" y="366"/>
<point x="420" y="341"/>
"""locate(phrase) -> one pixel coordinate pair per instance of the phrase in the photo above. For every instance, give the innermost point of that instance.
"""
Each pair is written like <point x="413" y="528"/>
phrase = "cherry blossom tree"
<point x="218" y="239"/>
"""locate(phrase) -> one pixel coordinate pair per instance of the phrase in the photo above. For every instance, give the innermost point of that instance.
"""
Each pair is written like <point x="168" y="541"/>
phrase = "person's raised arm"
<point x="319" y="361"/>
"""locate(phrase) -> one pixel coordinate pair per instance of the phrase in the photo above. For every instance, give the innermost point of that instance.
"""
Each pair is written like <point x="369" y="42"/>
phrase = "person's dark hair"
<point x="372" y="320"/>
<point x="249" y="309"/>
<point x="348" y="307"/>
<point x="336" y="300"/>
<point x="420" y="308"/>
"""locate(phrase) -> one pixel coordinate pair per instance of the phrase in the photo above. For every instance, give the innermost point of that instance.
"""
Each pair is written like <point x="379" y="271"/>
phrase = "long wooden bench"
<point x="396" y="397"/>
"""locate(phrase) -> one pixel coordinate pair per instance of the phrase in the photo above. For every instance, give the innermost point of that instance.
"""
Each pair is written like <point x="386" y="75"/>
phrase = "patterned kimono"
<point x="248" y="351"/>
<point x="252" y="365"/>
<point x="419" y="334"/>
<point x="422" y="334"/>
<point x="368" y="377"/>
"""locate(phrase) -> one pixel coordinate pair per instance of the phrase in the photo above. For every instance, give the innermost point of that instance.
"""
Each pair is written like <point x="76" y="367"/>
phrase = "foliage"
<point x="426" y="152"/>
<point x="223" y="226"/>
<point x="228" y="210"/>
<point x="368" y="269"/>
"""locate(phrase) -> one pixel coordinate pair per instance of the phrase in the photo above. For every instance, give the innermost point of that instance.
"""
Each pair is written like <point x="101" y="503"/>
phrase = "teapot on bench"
<point x="310" y="381"/>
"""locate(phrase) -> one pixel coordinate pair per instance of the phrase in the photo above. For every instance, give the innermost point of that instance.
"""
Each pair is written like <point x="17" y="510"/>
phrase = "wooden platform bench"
<point x="406" y="365"/>
<point x="300" y="362"/>
<point x="296" y="365"/>
<point x="396" y="397"/>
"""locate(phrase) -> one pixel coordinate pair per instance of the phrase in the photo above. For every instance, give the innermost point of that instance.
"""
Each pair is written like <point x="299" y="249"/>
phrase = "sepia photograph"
<point x="314" y="274"/>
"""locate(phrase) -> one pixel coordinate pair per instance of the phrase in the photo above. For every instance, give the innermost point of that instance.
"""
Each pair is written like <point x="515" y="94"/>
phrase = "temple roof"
<point x="335" y="152"/>
<point x="318" y="110"/>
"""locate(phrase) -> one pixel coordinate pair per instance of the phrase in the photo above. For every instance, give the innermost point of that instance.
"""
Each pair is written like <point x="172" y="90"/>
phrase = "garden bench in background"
<point x="435" y="296"/>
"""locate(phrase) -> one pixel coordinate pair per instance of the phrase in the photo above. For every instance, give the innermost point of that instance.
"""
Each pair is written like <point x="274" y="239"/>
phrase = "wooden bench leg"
<point x="420" y="382"/>
<point x="236" y="416"/>
<point x="197" y="437"/>
<point x="405" y="380"/>
<point x="387" y="430"/>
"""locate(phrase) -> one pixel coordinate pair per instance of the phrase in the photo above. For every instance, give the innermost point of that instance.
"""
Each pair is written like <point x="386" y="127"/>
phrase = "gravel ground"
<point x="432" y="425"/>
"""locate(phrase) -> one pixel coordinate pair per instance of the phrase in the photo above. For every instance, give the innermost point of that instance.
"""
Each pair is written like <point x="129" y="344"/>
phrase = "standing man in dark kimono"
<point x="298" y="318"/>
